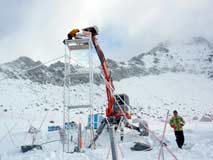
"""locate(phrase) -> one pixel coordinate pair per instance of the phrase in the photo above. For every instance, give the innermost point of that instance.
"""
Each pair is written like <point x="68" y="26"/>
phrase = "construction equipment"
<point x="117" y="110"/>
<point x="117" y="104"/>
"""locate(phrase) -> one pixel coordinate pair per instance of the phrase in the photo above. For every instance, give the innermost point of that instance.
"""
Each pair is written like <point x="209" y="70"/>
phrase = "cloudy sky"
<point x="36" y="28"/>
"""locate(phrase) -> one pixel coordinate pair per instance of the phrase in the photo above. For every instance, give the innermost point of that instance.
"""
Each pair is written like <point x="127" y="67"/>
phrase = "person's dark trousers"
<point x="179" y="138"/>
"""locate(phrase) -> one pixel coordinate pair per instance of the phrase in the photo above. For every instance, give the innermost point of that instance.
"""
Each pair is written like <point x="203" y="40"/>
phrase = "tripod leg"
<point x="142" y="129"/>
<point x="131" y="126"/>
<point x="113" y="145"/>
<point x="122" y="134"/>
<point x="98" y="131"/>
<point x="159" y="154"/>
<point x="122" y="125"/>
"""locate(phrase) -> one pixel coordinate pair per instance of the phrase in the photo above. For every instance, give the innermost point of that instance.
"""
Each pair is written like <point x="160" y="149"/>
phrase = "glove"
<point x="173" y="126"/>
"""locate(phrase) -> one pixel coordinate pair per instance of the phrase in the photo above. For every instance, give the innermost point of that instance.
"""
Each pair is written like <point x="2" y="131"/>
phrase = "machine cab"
<point x="121" y="105"/>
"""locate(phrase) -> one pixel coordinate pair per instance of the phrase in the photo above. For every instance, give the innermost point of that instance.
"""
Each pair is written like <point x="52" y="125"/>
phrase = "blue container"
<point x="53" y="128"/>
<point x="97" y="118"/>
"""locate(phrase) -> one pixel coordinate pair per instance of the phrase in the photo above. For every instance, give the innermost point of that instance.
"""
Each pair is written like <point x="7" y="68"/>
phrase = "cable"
<point x="42" y="122"/>
<point x="24" y="71"/>
<point x="11" y="138"/>
<point x="49" y="142"/>
<point x="10" y="130"/>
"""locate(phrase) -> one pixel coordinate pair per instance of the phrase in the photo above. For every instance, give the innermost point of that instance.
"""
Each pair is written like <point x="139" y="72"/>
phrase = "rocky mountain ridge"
<point x="193" y="56"/>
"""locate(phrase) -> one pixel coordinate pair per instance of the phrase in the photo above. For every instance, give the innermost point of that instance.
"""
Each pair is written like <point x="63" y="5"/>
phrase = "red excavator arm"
<point x="109" y="84"/>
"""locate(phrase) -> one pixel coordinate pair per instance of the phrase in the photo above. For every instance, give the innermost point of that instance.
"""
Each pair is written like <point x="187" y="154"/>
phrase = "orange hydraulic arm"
<point x="109" y="83"/>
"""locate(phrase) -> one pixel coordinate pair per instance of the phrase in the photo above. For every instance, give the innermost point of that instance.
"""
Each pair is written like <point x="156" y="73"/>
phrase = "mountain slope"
<point x="193" y="55"/>
<point x="152" y="94"/>
<point x="23" y="103"/>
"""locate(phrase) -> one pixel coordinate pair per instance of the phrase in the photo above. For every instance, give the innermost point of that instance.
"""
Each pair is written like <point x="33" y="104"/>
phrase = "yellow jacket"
<point x="177" y="123"/>
<point x="72" y="33"/>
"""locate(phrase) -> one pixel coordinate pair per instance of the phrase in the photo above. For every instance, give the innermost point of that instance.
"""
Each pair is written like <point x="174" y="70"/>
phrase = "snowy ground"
<point x="23" y="104"/>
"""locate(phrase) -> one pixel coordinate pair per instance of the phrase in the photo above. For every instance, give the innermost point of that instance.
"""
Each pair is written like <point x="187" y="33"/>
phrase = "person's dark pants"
<point x="179" y="138"/>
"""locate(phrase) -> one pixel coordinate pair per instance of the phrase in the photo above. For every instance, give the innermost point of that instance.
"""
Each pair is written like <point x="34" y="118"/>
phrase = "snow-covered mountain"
<point x="38" y="72"/>
<point x="193" y="56"/>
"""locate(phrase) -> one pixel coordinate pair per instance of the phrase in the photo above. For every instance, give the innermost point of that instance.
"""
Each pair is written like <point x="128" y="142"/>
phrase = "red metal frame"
<point x="109" y="84"/>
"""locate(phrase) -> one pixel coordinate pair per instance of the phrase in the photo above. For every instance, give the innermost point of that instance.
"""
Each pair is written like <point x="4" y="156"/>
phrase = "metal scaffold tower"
<point x="73" y="47"/>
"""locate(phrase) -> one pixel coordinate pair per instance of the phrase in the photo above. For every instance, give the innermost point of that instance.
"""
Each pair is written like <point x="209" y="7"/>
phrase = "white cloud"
<point x="132" y="25"/>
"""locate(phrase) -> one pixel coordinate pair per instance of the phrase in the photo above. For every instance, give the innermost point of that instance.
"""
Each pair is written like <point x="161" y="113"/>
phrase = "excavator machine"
<point x="117" y="110"/>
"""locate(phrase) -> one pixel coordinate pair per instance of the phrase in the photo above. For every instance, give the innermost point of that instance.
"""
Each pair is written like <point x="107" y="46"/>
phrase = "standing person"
<point x="177" y="123"/>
